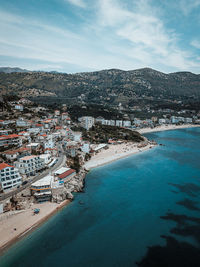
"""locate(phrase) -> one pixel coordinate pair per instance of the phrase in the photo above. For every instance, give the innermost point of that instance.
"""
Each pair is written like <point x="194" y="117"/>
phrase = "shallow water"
<point x="127" y="206"/>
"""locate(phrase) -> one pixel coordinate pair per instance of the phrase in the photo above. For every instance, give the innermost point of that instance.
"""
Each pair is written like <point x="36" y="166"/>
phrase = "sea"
<point x="143" y="210"/>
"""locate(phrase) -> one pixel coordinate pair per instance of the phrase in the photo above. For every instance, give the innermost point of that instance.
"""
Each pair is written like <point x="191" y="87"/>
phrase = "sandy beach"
<point x="24" y="221"/>
<point x="114" y="152"/>
<point x="166" y="128"/>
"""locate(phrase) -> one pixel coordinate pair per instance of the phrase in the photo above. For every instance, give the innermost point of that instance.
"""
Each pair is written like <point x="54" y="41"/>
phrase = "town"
<point x="43" y="152"/>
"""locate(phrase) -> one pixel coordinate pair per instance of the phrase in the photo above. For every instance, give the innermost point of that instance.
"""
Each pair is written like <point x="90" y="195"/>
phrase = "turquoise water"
<point x="128" y="206"/>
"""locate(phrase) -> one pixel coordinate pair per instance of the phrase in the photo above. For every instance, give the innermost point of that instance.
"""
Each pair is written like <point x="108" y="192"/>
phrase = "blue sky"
<point x="85" y="35"/>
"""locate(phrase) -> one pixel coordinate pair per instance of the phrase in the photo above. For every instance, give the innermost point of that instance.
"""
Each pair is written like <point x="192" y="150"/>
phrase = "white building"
<point x="174" y="119"/>
<point x="162" y="121"/>
<point x="64" y="174"/>
<point x="108" y="122"/>
<point x="127" y="123"/>
<point x="85" y="147"/>
<point x="19" y="107"/>
<point x="64" y="116"/>
<point x="29" y="165"/>
<point x="33" y="145"/>
<point x="46" y="158"/>
<point x="49" y="143"/>
<point x="77" y="136"/>
<point x="21" y="123"/>
<point x="86" y="122"/>
<point x="11" y="139"/>
<point x="41" y="189"/>
<point x="34" y="130"/>
<point x="119" y="123"/>
<point x="57" y="112"/>
<point x="9" y="176"/>
<point x="11" y="155"/>
<point x="188" y="120"/>
<point x="99" y="120"/>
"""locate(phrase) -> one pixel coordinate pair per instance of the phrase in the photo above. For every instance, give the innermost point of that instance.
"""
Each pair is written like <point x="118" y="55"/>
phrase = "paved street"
<point x="60" y="163"/>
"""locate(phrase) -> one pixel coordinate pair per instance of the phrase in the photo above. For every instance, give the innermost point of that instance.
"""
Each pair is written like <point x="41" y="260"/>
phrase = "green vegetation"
<point x="104" y="87"/>
<point x="74" y="163"/>
<point x="95" y="111"/>
<point x="102" y="133"/>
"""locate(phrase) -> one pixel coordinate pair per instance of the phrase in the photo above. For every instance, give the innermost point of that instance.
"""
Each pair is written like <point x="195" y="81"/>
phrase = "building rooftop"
<point x="46" y="181"/>
<point x="43" y="156"/>
<point x="33" y="144"/>
<point x="28" y="157"/>
<point x="67" y="173"/>
<point x="10" y="136"/>
<point x="61" y="170"/>
<point x="5" y="165"/>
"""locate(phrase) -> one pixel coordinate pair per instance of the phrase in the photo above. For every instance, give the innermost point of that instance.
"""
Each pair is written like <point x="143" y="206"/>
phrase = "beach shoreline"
<point x="110" y="155"/>
<point x="167" y="127"/>
<point x="106" y="156"/>
<point x="7" y="240"/>
<point x="25" y="223"/>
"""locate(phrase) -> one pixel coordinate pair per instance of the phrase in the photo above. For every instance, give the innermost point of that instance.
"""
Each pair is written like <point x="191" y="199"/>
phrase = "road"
<point x="59" y="163"/>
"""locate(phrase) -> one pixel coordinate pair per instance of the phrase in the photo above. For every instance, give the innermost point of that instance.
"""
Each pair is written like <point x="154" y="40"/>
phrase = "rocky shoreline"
<point x="76" y="184"/>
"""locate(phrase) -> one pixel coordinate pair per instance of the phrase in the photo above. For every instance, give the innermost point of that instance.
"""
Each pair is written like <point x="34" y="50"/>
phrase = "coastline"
<point x="115" y="152"/>
<point x="107" y="156"/>
<point x="167" y="127"/>
<point x="25" y="222"/>
<point x="9" y="236"/>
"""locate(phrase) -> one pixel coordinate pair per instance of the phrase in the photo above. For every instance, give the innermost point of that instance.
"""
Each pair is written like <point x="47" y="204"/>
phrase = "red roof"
<point x="4" y="165"/>
<point x="67" y="173"/>
<point x="38" y="125"/>
<point x="10" y="136"/>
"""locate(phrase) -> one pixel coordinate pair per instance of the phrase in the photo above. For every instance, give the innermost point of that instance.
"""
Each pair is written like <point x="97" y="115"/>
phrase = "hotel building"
<point x="30" y="165"/>
<point x="9" y="176"/>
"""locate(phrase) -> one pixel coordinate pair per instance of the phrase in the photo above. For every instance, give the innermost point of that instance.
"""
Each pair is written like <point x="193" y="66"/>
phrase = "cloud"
<point x="149" y="40"/>
<point x="79" y="3"/>
<point x="195" y="43"/>
<point x="114" y="34"/>
<point x="187" y="6"/>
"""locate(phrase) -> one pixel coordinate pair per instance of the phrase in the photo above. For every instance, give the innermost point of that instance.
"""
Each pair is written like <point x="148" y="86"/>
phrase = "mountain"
<point x="10" y="70"/>
<point x="111" y="86"/>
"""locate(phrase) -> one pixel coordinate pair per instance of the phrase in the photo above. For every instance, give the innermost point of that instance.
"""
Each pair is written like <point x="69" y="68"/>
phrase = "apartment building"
<point x="86" y="122"/>
<point x="30" y="165"/>
<point x="9" y="177"/>
<point x="11" y="139"/>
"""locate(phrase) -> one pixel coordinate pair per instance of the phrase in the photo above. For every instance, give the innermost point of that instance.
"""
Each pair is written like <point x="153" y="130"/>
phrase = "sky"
<point x="88" y="35"/>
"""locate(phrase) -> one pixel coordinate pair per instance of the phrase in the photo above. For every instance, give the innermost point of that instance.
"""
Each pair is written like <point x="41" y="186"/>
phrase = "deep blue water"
<point x="128" y="206"/>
